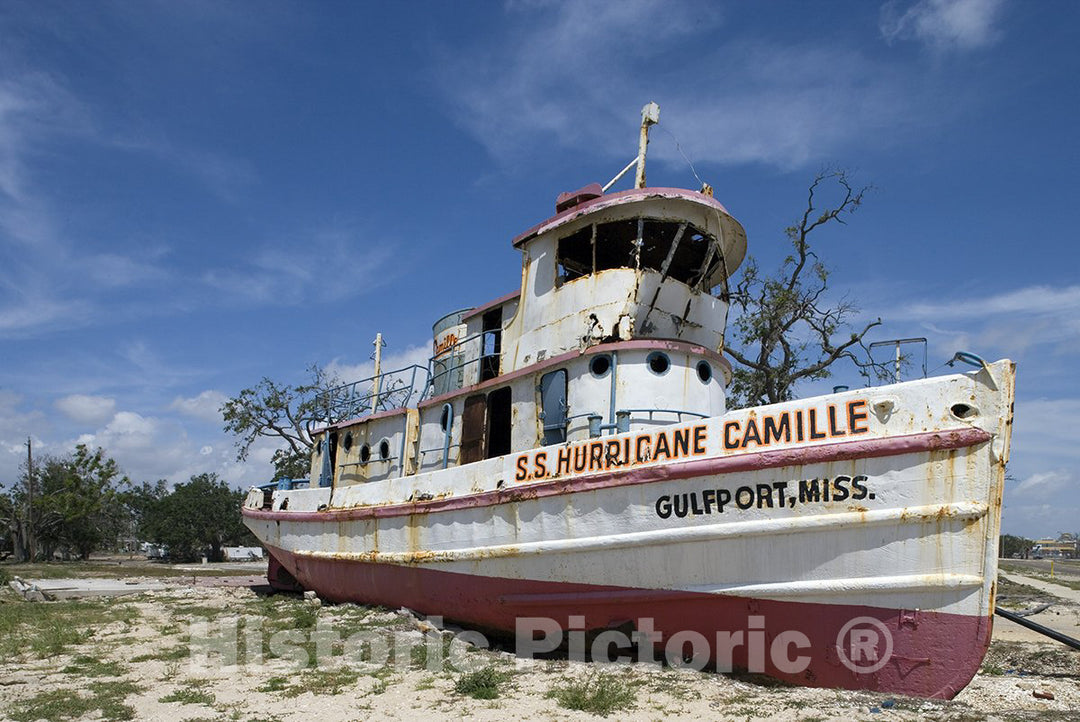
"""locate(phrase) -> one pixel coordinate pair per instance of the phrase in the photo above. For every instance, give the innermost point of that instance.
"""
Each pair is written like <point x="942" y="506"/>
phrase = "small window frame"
<point x="655" y="357"/>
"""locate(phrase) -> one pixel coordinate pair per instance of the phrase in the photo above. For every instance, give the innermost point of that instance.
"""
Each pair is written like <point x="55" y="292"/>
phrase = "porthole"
<point x="347" y="443"/>
<point x="704" y="371"/>
<point x="365" y="454"/>
<point x="659" y="363"/>
<point x="600" y="365"/>
<point x="964" y="411"/>
<point x="384" y="449"/>
<point x="444" y="420"/>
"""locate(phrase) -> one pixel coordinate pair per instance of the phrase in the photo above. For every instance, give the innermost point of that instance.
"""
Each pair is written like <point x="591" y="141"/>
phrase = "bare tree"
<point x="280" y="412"/>
<point x="786" y="331"/>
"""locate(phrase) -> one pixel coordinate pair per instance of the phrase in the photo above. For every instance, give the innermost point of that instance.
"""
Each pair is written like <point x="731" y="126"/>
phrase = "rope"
<point x="679" y="147"/>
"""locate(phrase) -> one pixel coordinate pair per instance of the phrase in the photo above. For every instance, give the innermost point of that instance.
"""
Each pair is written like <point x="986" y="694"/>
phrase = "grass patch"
<point x="48" y="628"/>
<point x="420" y="652"/>
<point x="598" y="693"/>
<point x="93" y="667"/>
<point x="106" y="698"/>
<point x="323" y="681"/>
<point x="1017" y="596"/>
<point x="275" y="684"/>
<point x="484" y="683"/>
<point x="169" y="654"/>
<point x="189" y="696"/>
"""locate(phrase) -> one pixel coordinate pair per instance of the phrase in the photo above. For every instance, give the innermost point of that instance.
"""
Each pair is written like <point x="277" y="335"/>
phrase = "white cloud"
<point x="1045" y="485"/>
<point x="87" y="409"/>
<point x="127" y="431"/>
<point x="943" y="24"/>
<point x="1031" y="300"/>
<point x="392" y="360"/>
<point x="575" y="75"/>
<point x="206" y="406"/>
<point x="1011" y="322"/>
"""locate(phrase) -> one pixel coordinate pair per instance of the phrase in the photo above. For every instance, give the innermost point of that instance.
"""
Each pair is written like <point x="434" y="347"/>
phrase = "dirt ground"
<point x="207" y="645"/>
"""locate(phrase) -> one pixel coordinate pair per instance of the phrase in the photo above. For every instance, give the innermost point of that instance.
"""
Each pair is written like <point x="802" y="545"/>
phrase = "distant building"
<point x="1064" y="547"/>
<point x="242" y="554"/>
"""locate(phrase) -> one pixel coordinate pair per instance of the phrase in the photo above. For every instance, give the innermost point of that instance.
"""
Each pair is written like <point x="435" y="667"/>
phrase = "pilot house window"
<point x="678" y="250"/>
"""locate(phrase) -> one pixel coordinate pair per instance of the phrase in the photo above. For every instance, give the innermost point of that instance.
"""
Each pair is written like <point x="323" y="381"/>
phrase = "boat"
<point x="566" y="462"/>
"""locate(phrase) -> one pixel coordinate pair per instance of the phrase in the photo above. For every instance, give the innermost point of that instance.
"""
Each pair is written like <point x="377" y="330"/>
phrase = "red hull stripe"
<point x="752" y="461"/>
<point x="934" y="654"/>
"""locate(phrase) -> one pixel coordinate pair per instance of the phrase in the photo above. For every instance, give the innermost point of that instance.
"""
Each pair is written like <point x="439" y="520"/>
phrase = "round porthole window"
<point x="445" y="418"/>
<point x="659" y="363"/>
<point x="384" y="449"/>
<point x="704" y="371"/>
<point x="347" y="443"/>
<point x="365" y="454"/>
<point x="600" y="365"/>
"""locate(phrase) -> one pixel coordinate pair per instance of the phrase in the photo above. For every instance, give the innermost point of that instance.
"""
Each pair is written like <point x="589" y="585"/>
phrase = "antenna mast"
<point x="650" y="116"/>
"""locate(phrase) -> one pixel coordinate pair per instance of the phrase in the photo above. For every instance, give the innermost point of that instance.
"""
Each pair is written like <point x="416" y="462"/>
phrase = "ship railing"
<point x="384" y="392"/>
<point x="445" y="451"/>
<point x="451" y="362"/>
<point x="623" y="417"/>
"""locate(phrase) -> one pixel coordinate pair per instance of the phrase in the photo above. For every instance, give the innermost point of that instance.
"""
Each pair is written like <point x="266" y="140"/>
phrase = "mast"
<point x="376" y="382"/>
<point x="650" y="115"/>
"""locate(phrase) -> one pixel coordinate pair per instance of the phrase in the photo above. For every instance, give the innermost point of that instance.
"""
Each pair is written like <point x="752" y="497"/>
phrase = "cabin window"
<point x="384" y="449"/>
<point x="704" y="371"/>
<point x="347" y="444"/>
<point x="365" y="454"/>
<point x="553" y="405"/>
<point x="444" y="419"/>
<point x="658" y="362"/>
<point x="492" y="351"/>
<point x="680" y="250"/>
<point x="575" y="255"/>
<point x="615" y="244"/>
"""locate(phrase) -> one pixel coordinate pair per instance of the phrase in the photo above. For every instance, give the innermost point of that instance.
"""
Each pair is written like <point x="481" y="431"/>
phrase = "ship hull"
<point x="860" y="554"/>
<point x="933" y="654"/>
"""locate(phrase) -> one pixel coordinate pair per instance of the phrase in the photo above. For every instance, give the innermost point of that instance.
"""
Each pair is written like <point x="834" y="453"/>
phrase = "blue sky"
<point x="194" y="195"/>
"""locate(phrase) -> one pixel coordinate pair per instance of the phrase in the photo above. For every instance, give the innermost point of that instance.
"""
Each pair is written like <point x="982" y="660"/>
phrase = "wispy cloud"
<point x="308" y="268"/>
<point x="1012" y="321"/>
<point x="574" y="75"/>
<point x="943" y="24"/>
<point x="1031" y="300"/>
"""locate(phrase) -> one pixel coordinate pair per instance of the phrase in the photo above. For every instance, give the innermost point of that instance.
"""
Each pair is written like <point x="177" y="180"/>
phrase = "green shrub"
<point x="483" y="683"/>
<point x="599" y="694"/>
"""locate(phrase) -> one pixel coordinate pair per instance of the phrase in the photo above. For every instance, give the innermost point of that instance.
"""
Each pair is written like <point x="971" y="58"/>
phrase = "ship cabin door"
<point x="473" y="429"/>
<point x="553" y="406"/>
<point x="329" y="465"/>
<point x="485" y="426"/>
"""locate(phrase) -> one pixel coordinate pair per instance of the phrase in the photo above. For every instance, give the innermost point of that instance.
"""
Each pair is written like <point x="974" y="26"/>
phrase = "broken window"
<point x="615" y="244"/>
<point x="639" y="243"/>
<point x="575" y="255"/>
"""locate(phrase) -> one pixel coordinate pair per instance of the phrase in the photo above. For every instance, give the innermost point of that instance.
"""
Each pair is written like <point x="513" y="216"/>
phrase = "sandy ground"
<point x="146" y="648"/>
